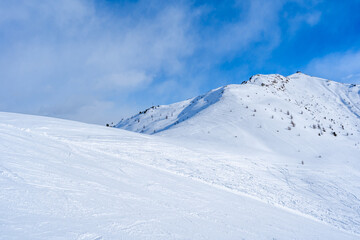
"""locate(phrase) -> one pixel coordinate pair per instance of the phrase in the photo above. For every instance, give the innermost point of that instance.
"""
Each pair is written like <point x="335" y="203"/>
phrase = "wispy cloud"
<point x="66" y="49"/>
<point x="343" y="67"/>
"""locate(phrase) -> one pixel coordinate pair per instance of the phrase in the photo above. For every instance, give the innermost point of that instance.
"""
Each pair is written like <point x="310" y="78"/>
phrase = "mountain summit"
<point x="294" y="110"/>
<point x="331" y="105"/>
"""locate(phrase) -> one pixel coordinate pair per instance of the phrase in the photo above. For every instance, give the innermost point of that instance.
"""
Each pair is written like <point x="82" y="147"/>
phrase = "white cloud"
<point x="258" y="22"/>
<point x="63" y="49"/>
<point x="309" y="18"/>
<point x="313" y="18"/>
<point x="62" y="58"/>
<point x="343" y="67"/>
<point x="125" y="79"/>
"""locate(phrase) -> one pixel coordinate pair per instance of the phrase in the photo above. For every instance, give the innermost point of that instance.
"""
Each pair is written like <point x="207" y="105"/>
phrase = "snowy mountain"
<point x="273" y="158"/>
<point x="327" y="107"/>
<point x="268" y="113"/>
<point x="291" y="141"/>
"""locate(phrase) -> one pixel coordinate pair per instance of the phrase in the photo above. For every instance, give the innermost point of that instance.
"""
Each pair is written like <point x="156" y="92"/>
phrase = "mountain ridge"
<point x="284" y="124"/>
<point x="164" y="117"/>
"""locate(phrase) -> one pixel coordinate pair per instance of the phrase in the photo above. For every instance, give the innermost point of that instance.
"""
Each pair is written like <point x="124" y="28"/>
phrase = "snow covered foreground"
<point x="68" y="180"/>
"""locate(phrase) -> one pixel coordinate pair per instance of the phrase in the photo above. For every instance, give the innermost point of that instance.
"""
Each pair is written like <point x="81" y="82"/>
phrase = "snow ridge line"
<point x="342" y="100"/>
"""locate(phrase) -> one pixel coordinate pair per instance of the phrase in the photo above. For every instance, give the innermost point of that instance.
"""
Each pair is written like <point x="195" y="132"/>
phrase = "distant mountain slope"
<point x="67" y="180"/>
<point x="326" y="104"/>
<point x="295" y="110"/>
<point x="294" y="141"/>
<point x="159" y="118"/>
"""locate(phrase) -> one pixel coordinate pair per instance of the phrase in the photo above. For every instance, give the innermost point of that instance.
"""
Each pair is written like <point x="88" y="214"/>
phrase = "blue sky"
<point x="99" y="61"/>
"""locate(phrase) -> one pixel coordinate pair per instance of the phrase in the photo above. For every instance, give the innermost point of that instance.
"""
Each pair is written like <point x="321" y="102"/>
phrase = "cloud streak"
<point x="343" y="67"/>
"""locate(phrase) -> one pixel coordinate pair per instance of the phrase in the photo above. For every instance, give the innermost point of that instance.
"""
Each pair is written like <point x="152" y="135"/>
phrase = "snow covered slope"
<point x="295" y="102"/>
<point x="67" y="180"/>
<point x="290" y="141"/>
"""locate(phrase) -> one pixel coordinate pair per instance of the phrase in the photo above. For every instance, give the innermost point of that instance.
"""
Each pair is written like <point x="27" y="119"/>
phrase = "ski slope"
<point x="68" y="180"/>
<point x="292" y="142"/>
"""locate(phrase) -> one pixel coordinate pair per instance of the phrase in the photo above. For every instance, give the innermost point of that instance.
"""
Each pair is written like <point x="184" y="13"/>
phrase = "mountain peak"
<point x="268" y="80"/>
<point x="328" y="105"/>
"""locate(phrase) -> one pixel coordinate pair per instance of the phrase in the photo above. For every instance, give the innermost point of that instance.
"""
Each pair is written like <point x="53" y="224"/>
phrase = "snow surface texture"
<point x="293" y="142"/>
<point x="253" y="161"/>
<point x="67" y="180"/>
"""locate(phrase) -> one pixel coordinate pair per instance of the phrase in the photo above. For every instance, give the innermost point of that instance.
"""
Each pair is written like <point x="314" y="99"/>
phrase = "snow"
<point x="220" y="166"/>
<point x="272" y="138"/>
<point x="68" y="180"/>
